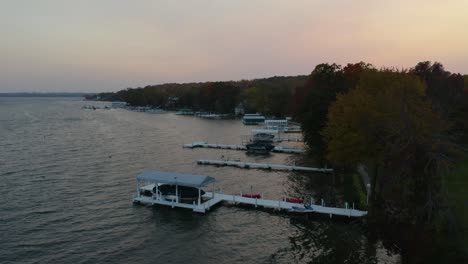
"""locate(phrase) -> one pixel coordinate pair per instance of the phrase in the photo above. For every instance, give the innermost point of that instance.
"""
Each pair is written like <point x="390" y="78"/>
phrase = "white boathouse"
<point x="148" y="192"/>
<point x="149" y="182"/>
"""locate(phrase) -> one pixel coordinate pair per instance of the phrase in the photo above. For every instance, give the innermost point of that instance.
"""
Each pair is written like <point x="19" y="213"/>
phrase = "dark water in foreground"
<point x="67" y="178"/>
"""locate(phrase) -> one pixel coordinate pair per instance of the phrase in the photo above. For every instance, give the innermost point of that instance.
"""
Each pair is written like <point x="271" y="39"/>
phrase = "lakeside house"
<point x="239" y="109"/>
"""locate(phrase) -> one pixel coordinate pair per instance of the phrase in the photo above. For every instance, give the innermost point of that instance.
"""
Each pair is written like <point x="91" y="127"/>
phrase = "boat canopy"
<point x="175" y="178"/>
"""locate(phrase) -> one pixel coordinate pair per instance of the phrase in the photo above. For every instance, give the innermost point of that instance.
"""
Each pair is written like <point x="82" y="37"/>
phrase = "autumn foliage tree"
<point x="325" y="82"/>
<point x="271" y="96"/>
<point x="387" y="121"/>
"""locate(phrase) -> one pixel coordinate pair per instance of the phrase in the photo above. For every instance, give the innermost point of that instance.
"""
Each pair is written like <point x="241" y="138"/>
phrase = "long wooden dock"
<point x="212" y="199"/>
<point x="287" y="150"/>
<point x="201" y="144"/>
<point x="252" y="165"/>
<point x="292" y="130"/>
<point x="283" y="205"/>
<point x="288" y="138"/>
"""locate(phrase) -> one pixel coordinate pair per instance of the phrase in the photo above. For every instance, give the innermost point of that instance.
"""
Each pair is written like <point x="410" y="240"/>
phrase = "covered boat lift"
<point x="148" y="182"/>
<point x="209" y="199"/>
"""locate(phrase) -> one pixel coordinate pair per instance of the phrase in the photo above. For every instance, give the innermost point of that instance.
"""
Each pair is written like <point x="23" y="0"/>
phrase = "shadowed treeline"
<point x="271" y="96"/>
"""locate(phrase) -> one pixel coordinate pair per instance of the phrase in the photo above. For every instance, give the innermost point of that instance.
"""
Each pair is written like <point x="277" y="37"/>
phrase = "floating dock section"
<point x="252" y="165"/>
<point x="292" y="130"/>
<point x="201" y="144"/>
<point x="289" y="139"/>
<point x="287" y="150"/>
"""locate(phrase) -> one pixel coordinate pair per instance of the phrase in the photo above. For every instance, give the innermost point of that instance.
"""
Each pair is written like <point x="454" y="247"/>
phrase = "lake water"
<point x="67" y="179"/>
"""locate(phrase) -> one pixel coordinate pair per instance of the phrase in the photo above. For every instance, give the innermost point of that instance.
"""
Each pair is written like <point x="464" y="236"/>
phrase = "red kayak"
<point x="295" y="200"/>
<point x="253" y="195"/>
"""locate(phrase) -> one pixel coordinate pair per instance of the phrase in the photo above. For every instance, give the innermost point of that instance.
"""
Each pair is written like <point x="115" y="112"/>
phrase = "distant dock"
<point x="201" y="144"/>
<point x="267" y="166"/>
<point x="289" y="138"/>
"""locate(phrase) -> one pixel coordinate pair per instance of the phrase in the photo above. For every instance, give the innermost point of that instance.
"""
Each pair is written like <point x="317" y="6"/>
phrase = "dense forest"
<point x="271" y="96"/>
<point x="408" y="127"/>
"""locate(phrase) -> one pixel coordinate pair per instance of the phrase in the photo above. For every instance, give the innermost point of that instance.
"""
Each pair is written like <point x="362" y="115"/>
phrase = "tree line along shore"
<point x="409" y="127"/>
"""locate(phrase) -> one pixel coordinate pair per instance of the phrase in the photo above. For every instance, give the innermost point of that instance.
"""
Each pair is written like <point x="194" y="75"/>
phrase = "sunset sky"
<point x="108" y="45"/>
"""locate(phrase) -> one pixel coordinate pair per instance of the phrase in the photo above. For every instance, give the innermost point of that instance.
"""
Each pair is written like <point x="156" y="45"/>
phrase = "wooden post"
<point x="138" y="188"/>
<point x="368" y="187"/>
<point x="199" y="194"/>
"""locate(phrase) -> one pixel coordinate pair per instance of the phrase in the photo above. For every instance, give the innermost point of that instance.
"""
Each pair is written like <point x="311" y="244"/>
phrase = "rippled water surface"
<point x="67" y="178"/>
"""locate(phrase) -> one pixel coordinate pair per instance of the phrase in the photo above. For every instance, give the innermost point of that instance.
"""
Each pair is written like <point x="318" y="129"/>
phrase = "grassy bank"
<point x="354" y="191"/>
<point x="456" y="185"/>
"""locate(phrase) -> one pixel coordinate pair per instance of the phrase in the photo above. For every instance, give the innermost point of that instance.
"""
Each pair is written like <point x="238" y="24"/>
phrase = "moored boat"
<point x="263" y="137"/>
<point x="304" y="209"/>
<point x="184" y="192"/>
<point x="259" y="147"/>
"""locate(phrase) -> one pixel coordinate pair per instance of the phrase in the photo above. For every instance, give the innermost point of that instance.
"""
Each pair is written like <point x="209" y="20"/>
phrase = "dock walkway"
<point x="217" y="198"/>
<point x="282" y="205"/>
<point x="201" y="144"/>
<point x="252" y="165"/>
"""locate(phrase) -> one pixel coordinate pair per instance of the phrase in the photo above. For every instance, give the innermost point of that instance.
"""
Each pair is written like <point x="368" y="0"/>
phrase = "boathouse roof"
<point x="190" y="180"/>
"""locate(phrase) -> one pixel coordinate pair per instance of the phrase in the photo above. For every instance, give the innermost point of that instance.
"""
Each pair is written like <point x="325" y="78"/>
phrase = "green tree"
<point x="227" y="96"/>
<point x="386" y="121"/>
<point x="256" y="99"/>
<point x="324" y="83"/>
<point x="443" y="88"/>
<point x="279" y="100"/>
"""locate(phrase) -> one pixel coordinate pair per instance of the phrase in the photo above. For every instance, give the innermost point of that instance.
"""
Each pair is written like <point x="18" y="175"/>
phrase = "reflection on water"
<point x="67" y="182"/>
